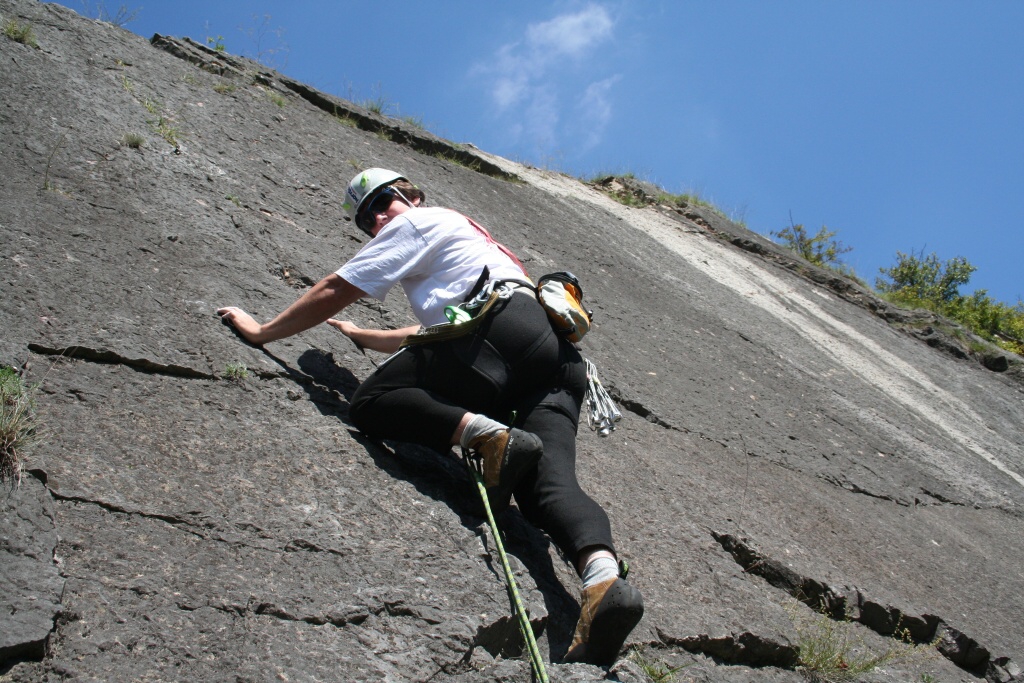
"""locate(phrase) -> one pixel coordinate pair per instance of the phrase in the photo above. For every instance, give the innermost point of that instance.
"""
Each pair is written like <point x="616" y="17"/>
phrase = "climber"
<point x="510" y="391"/>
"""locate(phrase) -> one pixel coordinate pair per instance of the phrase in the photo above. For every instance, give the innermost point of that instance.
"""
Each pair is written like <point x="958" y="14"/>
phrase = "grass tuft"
<point x="133" y="140"/>
<point x="19" y="432"/>
<point x="629" y="190"/>
<point x="831" y="650"/>
<point x="165" y="128"/>
<point x="20" y="33"/>
<point x="472" y="164"/>
<point x="346" y="120"/>
<point x="413" y="122"/>
<point x="378" y="105"/>
<point x="150" y="105"/>
<point x="656" y="672"/>
<point x="119" y="18"/>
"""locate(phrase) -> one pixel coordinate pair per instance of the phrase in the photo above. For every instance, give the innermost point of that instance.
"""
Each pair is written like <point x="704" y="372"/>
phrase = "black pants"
<point x="515" y="370"/>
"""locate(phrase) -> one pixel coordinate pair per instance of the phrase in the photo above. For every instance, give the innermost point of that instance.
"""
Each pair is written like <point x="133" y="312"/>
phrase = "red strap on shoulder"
<point x="505" y="250"/>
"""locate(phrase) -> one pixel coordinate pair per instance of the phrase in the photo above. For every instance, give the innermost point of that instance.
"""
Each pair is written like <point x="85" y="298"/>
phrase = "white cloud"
<point x="519" y="71"/>
<point x="534" y="80"/>
<point x="508" y="91"/>
<point x="596" y="109"/>
<point x="570" y="34"/>
<point x="541" y="118"/>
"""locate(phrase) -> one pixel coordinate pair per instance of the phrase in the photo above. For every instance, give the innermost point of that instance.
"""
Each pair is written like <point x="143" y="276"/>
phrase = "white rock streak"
<point x="850" y="349"/>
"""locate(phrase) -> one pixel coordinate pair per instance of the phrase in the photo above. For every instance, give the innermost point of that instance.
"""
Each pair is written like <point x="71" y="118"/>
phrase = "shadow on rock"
<point x="325" y="371"/>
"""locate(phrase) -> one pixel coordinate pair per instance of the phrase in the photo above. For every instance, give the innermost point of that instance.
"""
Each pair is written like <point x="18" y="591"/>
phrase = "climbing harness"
<point x="475" y="465"/>
<point x="601" y="411"/>
<point x="465" y="317"/>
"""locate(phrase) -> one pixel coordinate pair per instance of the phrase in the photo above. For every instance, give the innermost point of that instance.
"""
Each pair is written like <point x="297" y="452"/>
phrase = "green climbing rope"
<point x="536" y="661"/>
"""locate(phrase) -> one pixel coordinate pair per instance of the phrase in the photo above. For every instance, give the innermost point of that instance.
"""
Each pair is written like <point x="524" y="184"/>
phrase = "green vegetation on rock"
<point x="656" y="671"/>
<point x="236" y="372"/>
<point x="821" y="249"/>
<point x="133" y="140"/>
<point x="831" y="650"/>
<point x="18" y="429"/>
<point x="919" y="281"/>
<point x="20" y="33"/>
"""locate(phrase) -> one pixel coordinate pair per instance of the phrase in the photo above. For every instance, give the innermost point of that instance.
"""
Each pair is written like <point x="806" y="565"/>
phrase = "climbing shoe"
<point x="505" y="458"/>
<point x="608" y="613"/>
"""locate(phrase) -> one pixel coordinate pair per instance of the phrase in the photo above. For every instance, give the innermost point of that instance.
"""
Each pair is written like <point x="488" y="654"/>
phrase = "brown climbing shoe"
<point x="610" y="611"/>
<point x="507" y="457"/>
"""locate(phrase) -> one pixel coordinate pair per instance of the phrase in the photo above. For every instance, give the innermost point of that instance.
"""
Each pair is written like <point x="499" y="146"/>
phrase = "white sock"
<point x="480" y="425"/>
<point x="598" y="570"/>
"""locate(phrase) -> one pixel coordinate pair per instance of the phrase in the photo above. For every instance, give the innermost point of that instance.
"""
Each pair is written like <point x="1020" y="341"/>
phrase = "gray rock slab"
<point x="31" y="586"/>
<point x="787" y="439"/>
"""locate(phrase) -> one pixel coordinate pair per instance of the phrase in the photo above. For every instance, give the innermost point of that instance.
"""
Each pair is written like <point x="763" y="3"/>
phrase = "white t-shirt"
<point x="434" y="253"/>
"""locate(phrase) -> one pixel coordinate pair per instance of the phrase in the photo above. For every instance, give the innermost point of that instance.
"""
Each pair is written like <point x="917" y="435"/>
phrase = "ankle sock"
<point x="481" y="425"/>
<point x="598" y="570"/>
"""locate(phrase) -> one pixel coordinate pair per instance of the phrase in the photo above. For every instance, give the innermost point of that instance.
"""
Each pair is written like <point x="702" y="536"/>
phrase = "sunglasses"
<point x="367" y="218"/>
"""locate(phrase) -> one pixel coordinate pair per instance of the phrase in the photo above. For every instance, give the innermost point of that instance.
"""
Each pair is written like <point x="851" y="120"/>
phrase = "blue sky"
<point x="899" y="124"/>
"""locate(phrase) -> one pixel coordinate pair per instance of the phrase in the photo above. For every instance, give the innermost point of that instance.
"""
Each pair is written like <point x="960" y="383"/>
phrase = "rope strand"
<point x="536" y="660"/>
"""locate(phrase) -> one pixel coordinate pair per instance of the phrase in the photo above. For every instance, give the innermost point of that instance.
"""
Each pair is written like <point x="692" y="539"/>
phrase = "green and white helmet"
<point x="364" y="185"/>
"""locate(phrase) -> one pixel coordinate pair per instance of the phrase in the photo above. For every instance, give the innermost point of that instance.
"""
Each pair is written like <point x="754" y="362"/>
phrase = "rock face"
<point x="788" y="441"/>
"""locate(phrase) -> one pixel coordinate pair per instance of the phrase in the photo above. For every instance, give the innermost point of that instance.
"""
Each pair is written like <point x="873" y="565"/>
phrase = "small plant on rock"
<point x="378" y="105"/>
<point x="656" y="672"/>
<point x="217" y="44"/>
<point x="345" y="120"/>
<point x="236" y="372"/>
<point x="133" y="140"/>
<point x="165" y="128"/>
<point x="831" y="651"/>
<point x="18" y="429"/>
<point x="20" y="33"/>
<point x="413" y="121"/>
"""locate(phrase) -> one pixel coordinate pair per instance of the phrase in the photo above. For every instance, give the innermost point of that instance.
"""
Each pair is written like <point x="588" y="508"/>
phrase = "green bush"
<point x="821" y="249"/>
<point x="918" y="281"/>
<point x="925" y="278"/>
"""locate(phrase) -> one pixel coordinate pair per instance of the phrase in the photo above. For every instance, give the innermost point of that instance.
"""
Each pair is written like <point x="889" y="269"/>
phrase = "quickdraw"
<point x="601" y="411"/>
